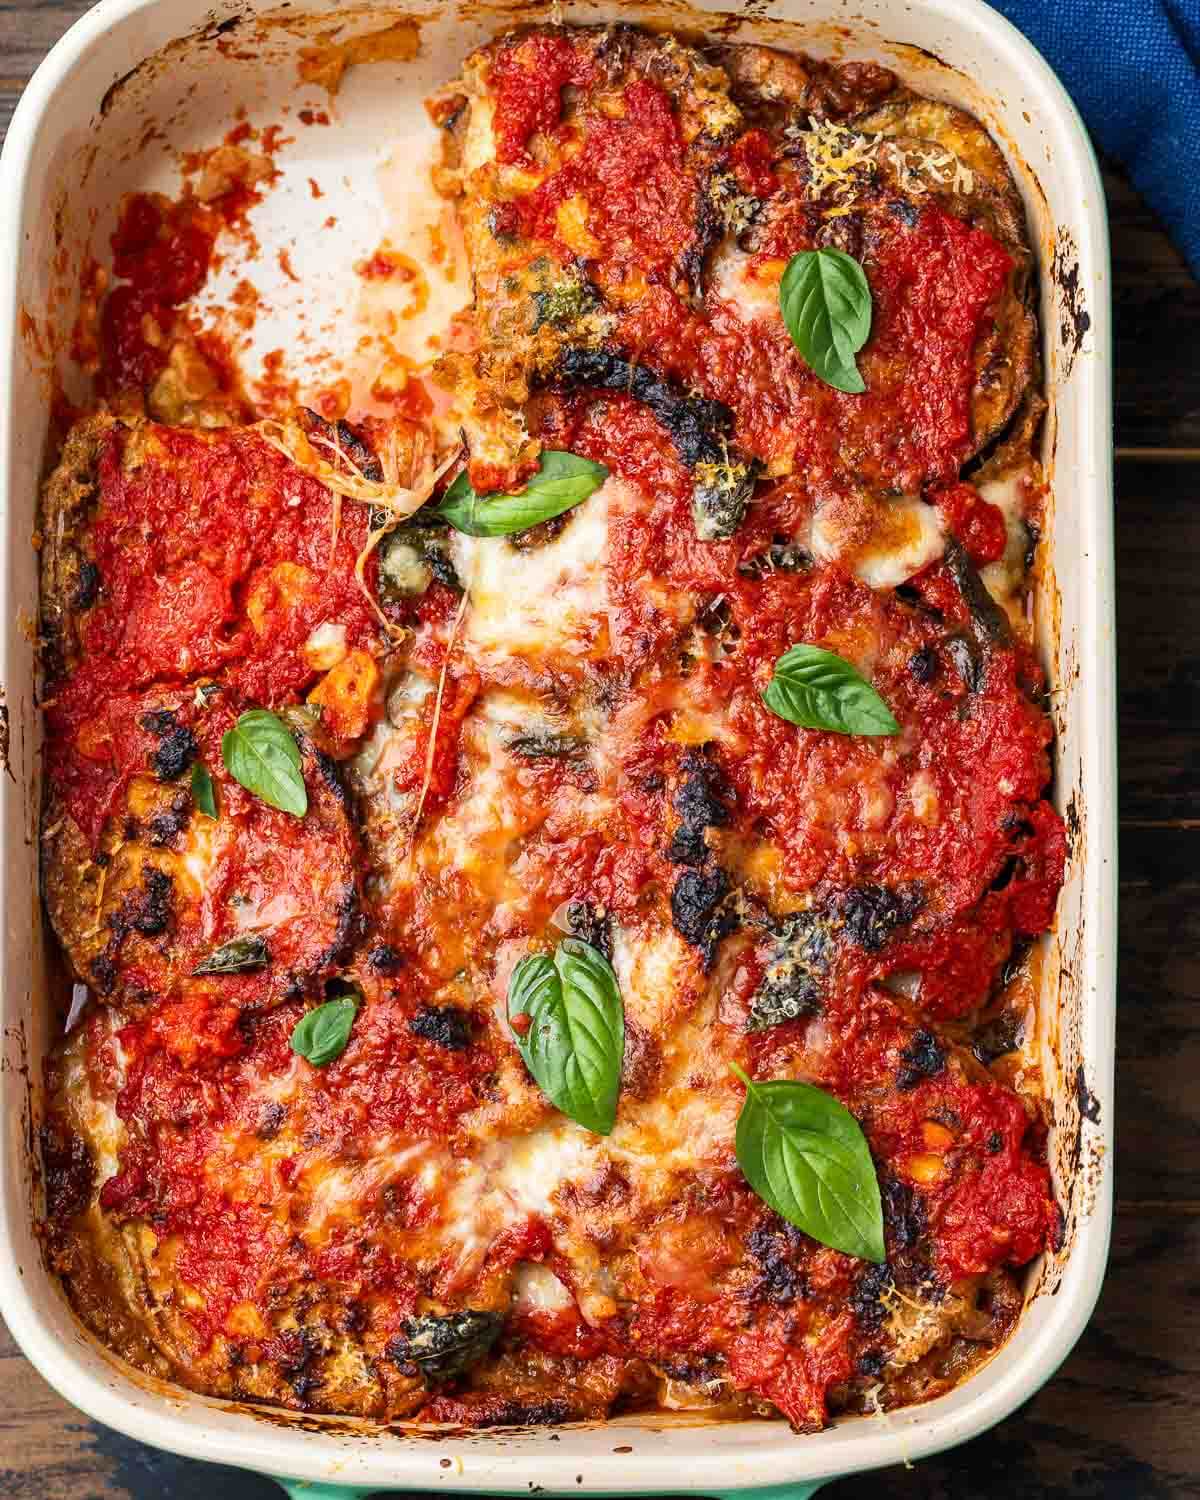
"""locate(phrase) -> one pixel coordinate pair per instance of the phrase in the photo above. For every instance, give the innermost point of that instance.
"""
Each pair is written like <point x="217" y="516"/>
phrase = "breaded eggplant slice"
<point x="130" y="1282"/>
<point x="70" y="578"/>
<point x="772" y="87"/>
<point x="1006" y="355"/>
<point x="553" y="204"/>
<point x="938" y="241"/>
<point x="168" y="553"/>
<point x="255" y="906"/>
<point x="181" y="1239"/>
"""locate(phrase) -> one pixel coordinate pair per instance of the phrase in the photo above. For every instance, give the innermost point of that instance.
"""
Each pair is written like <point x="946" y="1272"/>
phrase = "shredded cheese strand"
<point x="347" y="479"/>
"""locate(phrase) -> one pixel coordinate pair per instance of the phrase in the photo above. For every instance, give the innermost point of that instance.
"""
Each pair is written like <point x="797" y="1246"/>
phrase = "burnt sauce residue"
<point x="1074" y="320"/>
<point x="1089" y="1105"/>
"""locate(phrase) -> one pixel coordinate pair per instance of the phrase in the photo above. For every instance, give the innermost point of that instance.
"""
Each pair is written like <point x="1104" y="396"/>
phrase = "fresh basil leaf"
<point x="204" y="794"/>
<point x="817" y="689"/>
<point x="575" y="1042"/>
<point x="563" y="480"/>
<point x="805" y="1155"/>
<point x="322" y="1034"/>
<point x="261" y="754"/>
<point x="826" y="305"/>
<point x="236" y="957"/>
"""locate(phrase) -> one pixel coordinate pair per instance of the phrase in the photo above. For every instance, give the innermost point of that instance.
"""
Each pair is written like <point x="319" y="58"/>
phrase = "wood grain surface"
<point x="1121" y="1420"/>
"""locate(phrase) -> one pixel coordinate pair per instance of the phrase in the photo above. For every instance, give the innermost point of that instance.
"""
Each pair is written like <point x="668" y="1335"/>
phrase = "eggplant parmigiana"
<point x="555" y="882"/>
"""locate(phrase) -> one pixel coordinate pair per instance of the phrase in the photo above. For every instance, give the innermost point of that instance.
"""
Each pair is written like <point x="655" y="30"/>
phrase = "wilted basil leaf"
<point x="236" y="957"/>
<point x="575" y="1041"/>
<point x="204" y="794"/>
<point x="545" y="745"/>
<point x="826" y="305"/>
<point x="322" y="1034"/>
<point x="817" y="689"/>
<point x="804" y="1154"/>
<point x="444" y="1346"/>
<point x="563" y="480"/>
<point x="261" y="754"/>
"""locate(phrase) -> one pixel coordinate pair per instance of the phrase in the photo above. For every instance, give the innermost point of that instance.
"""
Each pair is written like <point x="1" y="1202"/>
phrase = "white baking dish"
<point x="66" y="160"/>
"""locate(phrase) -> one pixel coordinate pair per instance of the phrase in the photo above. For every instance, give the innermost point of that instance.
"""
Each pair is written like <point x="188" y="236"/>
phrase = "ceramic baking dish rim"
<point x="506" y="1465"/>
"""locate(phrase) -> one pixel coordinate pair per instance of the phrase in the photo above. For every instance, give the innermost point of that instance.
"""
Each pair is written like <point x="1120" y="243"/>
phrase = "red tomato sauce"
<point x="216" y="556"/>
<point x="933" y="286"/>
<point x="161" y="255"/>
<point x="977" y="524"/>
<point x="631" y="174"/>
<point x="528" y="78"/>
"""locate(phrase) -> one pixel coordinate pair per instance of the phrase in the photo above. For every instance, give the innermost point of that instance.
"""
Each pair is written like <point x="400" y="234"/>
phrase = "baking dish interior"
<point x="133" y="85"/>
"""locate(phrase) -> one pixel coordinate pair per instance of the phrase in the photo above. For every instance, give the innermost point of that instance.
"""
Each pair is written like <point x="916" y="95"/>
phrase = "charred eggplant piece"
<point x="442" y="1348"/>
<point x="866" y="1300"/>
<point x="177" y="747"/>
<point x="444" y="1026"/>
<point x="871" y="913"/>
<point x="999" y="1036"/>
<point x="721" y="208"/>
<point x="89" y="586"/>
<point x="776" y="1246"/>
<point x="989" y="623"/>
<point x="148" y="910"/>
<point x="924" y="1057"/>
<point x="547" y="746"/>
<point x="696" y="424"/>
<point x="345" y="440"/>
<point x="700" y="911"/>
<point x="923" y="665"/>
<point x="165" y="828"/>
<point x="968" y="662"/>
<point x="701" y="803"/>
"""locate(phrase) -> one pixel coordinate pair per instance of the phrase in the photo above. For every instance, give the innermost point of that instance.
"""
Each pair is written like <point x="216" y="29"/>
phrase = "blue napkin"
<point x="1133" y="68"/>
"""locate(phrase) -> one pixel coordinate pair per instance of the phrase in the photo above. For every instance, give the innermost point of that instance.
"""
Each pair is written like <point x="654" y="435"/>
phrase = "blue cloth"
<point x="1133" y="68"/>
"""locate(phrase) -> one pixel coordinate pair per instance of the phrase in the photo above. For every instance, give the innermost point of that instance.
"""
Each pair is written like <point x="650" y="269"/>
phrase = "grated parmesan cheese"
<point x="842" y="162"/>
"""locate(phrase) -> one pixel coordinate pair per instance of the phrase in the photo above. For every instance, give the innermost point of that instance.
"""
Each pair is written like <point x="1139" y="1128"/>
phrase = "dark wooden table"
<point x="1121" y="1421"/>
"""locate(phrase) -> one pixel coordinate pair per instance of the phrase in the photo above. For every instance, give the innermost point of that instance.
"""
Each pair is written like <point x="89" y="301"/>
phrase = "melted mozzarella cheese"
<point x="95" y="1115"/>
<point x="477" y="835"/>
<point x="508" y="1181"/>
<point x="550" y="598"/>
<point x="203" y="842"/>
<point x="752" y="291"/>
<point x="479" y="141"/>
<point x="337" y="1190"/>
<point x="883" y="542"/>
<point x="538" y="1289"/>
<point x="1008" y="494"/>
<point x="687" y="1123"/>
<point x="653" y="969"/>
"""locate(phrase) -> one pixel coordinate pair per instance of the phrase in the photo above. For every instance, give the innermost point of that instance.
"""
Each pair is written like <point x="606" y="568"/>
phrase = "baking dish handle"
<point x="303" y="1489"/>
